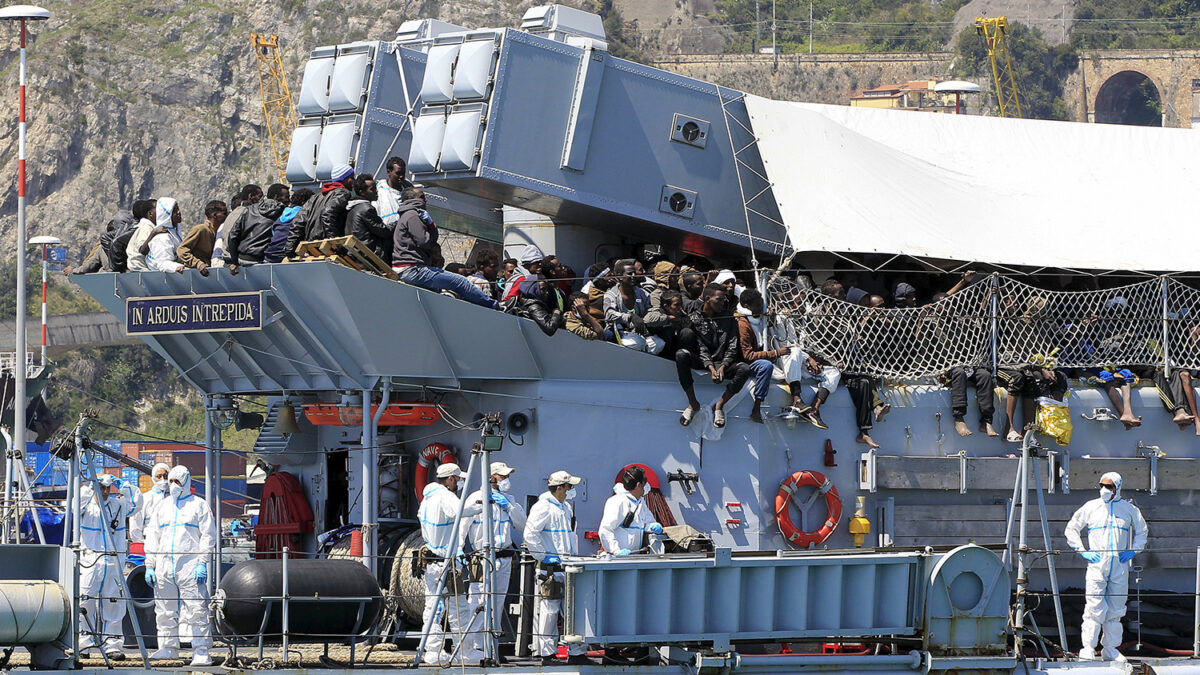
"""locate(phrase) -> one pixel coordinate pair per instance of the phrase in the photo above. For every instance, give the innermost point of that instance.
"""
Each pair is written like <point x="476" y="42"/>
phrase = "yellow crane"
<point x="279" y="114"/>
<point x="995" y="34"/>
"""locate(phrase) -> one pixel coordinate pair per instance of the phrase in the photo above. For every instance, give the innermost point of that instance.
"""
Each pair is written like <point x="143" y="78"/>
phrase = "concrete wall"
<point x="834" y="78"/>
<point x="814" y="78"/>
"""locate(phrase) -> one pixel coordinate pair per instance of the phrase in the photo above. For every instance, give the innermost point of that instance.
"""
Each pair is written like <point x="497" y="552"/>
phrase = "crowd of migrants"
<point x="707" y="320"/>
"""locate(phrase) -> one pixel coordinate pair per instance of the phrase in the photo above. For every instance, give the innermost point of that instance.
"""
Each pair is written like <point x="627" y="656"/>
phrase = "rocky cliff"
<point x="129" y="100"/>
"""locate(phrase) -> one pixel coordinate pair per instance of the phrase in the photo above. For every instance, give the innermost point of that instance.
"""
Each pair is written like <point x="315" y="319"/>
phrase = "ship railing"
<point x="996" y="323"/>
<point x="526" y="596"/>
<point x="8" y="363"/>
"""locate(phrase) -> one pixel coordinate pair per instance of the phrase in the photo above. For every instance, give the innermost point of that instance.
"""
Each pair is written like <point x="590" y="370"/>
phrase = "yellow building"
<point x="914" y="95"/>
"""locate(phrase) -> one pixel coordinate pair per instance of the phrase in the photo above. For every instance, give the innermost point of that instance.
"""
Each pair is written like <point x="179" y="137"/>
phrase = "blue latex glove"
<point x="1125" y="373"/>
<point x="500" y="500"/>
<point x="151" y="576"/>
<point x="1105" y="376"/>
<point x="655" y="528"/>
<point x="552" y="560"/>
<point x="201" y="573"/>
<point x="1126" y="556"/>
<point x="118" y="483"/>
<point x="623" y="551"/>
<point x="1089" y="556"/>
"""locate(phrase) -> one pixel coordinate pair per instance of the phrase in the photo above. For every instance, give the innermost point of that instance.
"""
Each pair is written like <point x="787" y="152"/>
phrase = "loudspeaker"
<point x="519" y="422"/>
<point x="245" y="420"/>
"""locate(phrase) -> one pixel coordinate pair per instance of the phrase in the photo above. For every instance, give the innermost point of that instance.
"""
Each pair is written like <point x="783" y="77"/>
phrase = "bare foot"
<point x="988" y="429"/>
<point x="1131" y="422"/>
<point x="1183" y="419"/>
<point x="961" y="427"/>
<point x="1198" y="427"/>
<point x="881" y="410"/>
<point x="756" y="414"/>
<point x="866" y="440"/>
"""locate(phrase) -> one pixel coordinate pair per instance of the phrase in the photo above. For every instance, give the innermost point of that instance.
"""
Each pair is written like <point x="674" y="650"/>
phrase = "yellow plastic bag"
<point x="1054" y="419"/>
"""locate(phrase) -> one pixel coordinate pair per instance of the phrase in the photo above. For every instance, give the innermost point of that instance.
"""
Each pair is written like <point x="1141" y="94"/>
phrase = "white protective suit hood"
<point x="185" y="480"/>
<point x="1116" y="481"/>
<point x="154" y="471"/>
<point x="162" y="213"/>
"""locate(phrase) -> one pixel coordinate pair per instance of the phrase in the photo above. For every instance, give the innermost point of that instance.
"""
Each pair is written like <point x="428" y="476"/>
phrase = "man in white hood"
<point x="150" y="500"/>
<point x="166" y="237"/>
<point x="1116" y="533"/>
<point x="180" y="538"/>
<point x="102" y="529"/>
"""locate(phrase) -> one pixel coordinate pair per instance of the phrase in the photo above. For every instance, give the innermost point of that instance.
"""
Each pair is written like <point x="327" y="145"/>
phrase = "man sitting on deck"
<point x="716" y="350"/>
<point x="413" y="249"/>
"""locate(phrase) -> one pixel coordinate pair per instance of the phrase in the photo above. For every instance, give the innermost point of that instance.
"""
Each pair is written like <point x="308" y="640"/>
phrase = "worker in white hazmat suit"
<point x="150" y="501"/>
<point x="627" y="520"/>
<point x="507" y="516"/>
<point x="1116" y="532"/>
<point x="550" y="535"/>
<point x="439" y="508"/>
<point x="180" y="539"/>
<point x="102" y="537"/>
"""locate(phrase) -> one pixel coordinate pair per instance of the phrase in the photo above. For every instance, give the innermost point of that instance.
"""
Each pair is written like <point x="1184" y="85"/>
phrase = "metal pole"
<point x="71" y="533"/>
<point x="1058" y="613"/>
<point x="215" y="577"/>
<point x="44" y="305"/>
<point x="286" y="593"/>
<point x="1022" y="554"/>
<point x="774" y="43"/>
<point x="8" y="506"/>
<point x="441" y="587"/>
<point x="211" y="497"/>
<point x="810" y="27"/>
<point x="489" y="552"/>
<point x="19" y="366"/>
<point x="995" y="323"/>
<point x="1196" y="622"/>
<point x="1166" y="332"/>
<point x="371" y="450"/>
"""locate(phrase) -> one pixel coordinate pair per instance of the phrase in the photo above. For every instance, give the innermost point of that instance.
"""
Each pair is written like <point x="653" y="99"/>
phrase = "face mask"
<point x="503" y="485"/>
<point x="1107" y="494"/>
<point x="160" y="485"/>
<point x="571" y="493"/>
<point x="176" y="490"/>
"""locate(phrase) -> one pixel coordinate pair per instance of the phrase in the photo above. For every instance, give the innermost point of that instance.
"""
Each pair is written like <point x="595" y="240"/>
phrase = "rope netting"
<point x="997" y="322"/>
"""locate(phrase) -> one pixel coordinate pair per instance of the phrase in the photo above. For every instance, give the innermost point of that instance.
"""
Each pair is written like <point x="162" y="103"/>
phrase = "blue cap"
<point x="341" y="172"/>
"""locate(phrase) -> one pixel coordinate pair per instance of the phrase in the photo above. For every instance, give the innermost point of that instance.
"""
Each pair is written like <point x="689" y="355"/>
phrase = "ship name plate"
<point x="166" y="314"/>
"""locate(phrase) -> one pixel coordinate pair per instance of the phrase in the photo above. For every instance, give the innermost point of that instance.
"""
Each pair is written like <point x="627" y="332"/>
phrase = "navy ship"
<point x="922" y="550"/>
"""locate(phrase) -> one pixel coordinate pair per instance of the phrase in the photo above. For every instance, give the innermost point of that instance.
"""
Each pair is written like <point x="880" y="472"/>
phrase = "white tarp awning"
<point x="968" y="188"/>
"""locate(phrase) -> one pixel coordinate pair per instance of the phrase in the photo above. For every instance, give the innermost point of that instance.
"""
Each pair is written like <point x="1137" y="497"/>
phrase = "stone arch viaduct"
<point x="1125" y="86"/>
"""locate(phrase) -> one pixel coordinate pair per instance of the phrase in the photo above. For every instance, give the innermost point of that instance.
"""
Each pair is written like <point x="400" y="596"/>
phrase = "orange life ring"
<point x="431" y="453"/>
<point x="833" y="503"/>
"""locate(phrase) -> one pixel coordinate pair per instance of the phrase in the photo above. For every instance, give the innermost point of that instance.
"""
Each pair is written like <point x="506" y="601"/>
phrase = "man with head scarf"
<point x="165" y="238"/>
<point x="181" y="536"/>
<point x="102" y="536"/>
<point x="1116" y="533"/>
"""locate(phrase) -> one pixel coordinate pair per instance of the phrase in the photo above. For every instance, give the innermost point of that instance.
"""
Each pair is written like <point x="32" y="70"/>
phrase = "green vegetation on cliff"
<point x="841" y="26"/>
<point x="1041" y="70"/>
